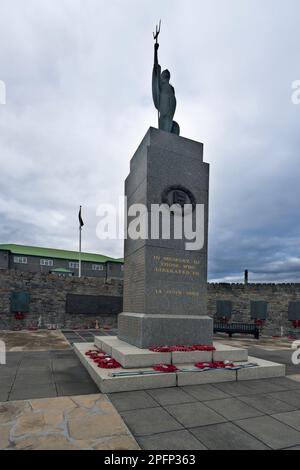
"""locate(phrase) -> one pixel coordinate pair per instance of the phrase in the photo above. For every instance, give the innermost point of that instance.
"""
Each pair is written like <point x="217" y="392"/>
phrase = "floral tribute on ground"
<point x="103" y="361"/>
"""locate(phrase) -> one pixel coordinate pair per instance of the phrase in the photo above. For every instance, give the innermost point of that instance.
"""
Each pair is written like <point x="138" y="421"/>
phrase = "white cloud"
<point x="78" y="76"/>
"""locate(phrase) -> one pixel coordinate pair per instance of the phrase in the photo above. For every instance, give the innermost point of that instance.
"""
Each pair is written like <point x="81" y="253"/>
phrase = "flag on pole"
<point x="81" y="224"/>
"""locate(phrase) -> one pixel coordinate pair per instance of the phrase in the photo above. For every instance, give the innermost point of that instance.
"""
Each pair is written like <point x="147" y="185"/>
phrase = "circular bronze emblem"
<point x="178" y="195"/>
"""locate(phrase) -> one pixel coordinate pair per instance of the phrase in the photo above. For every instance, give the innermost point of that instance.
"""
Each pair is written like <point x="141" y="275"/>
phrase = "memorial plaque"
<point x="294" y="311"/>
<point x="20" y="302"/>
<point x="77" y="304"/>
<point x="224" y="309"/>
<point x="259" y="310"/>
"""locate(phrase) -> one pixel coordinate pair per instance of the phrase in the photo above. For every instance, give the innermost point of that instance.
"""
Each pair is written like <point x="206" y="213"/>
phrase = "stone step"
<point x="264" y="370"/>
<point x="109" y="384"/>
<point x="130" y="356"/>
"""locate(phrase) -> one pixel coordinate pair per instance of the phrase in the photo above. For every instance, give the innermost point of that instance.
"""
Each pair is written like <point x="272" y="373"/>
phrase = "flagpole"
<point x="80" y="232"/>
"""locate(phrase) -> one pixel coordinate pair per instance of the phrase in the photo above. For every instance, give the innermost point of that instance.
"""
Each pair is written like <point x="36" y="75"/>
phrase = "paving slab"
<point x="4" y="394"/>
<point x="233" y="409"/>
<point x="267" y="404"/>
<point x="175" y="440"/>
<point x="291" y="418"/>
<point x="71" y="374"/>
<point x="125" y="401"/>
<point x="76" y="388"/>
<point x="39" y="378"/>
<point x="6" y="383"/>
<point x="270" y="431"/>
<point x="12" y="360"/>
<point x="171" y="396"/>
<point x="23" y="392"/>
<point x="62" y="365"/>
<point x="192" y="415"/>
<point x="150" y="421"/>
<point x="251" y="387"/>
<point x="292" y="397"/>
<point x="32" y="365"/>
<point x="288" y="383"/>
<point x="69" y="353"/>
<point x="205" y="392"/>
<point x="7" y="373"/>
<point x="227" y="436"/>
<point x="263" y="386"/>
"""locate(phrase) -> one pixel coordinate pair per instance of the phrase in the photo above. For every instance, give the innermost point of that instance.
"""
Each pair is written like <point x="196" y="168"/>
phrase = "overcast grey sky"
<point x="78" y="77"/>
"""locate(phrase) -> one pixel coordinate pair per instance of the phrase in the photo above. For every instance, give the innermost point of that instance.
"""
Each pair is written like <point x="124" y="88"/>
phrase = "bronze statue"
<point x="163" y="93"/>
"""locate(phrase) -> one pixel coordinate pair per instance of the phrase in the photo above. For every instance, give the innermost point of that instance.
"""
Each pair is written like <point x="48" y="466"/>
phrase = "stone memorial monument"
<point x="164" y="282"/>
<point x="165" y="271"/>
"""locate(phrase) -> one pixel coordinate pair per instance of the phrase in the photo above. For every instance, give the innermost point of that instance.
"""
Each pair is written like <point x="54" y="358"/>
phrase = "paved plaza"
<point x="43" y="393"/>
<point x="261" y="414"/>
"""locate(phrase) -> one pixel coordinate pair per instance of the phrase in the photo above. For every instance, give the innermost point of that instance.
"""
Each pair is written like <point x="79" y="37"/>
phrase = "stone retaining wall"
<point x="278" y="297"/>
<point x="48" y="299"/>
<point x="49" y="292"/>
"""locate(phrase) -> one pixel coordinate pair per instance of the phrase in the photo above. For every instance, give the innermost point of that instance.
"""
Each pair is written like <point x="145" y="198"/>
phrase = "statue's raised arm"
<point x="163" y="93"/>
<point x="156" y="78"/>
<point x="156" y="70"/>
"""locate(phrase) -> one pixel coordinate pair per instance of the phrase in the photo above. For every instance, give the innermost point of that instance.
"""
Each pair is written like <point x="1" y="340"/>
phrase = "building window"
<point x="74" y="265"/>
<point x="20" y="260"/>
<point x="46" y="262"/>
<point x="97" y="267"/>
<point x="122" y="267"/>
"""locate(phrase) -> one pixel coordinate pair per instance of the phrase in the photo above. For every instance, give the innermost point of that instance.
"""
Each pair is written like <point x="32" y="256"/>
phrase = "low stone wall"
<point x="48" y="295"/>
<point x="278" y="297"/>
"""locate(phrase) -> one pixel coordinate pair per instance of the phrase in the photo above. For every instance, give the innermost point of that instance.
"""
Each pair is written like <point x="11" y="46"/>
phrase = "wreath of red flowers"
<point x="180" y="348"/>
<point x="296" y="324"/>
<point x="167" y="368"/>
<point x="260" y="322"/>
<point x="109" y="363"/>
<point x="103" y="360"/>
<point x="203" y="348"/>
<point x="19" y="316"/>
<point x="94" y="354"/>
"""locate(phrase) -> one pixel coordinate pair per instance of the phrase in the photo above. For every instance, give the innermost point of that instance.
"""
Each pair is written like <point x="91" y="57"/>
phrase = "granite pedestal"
<point x="165" y="279"/>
